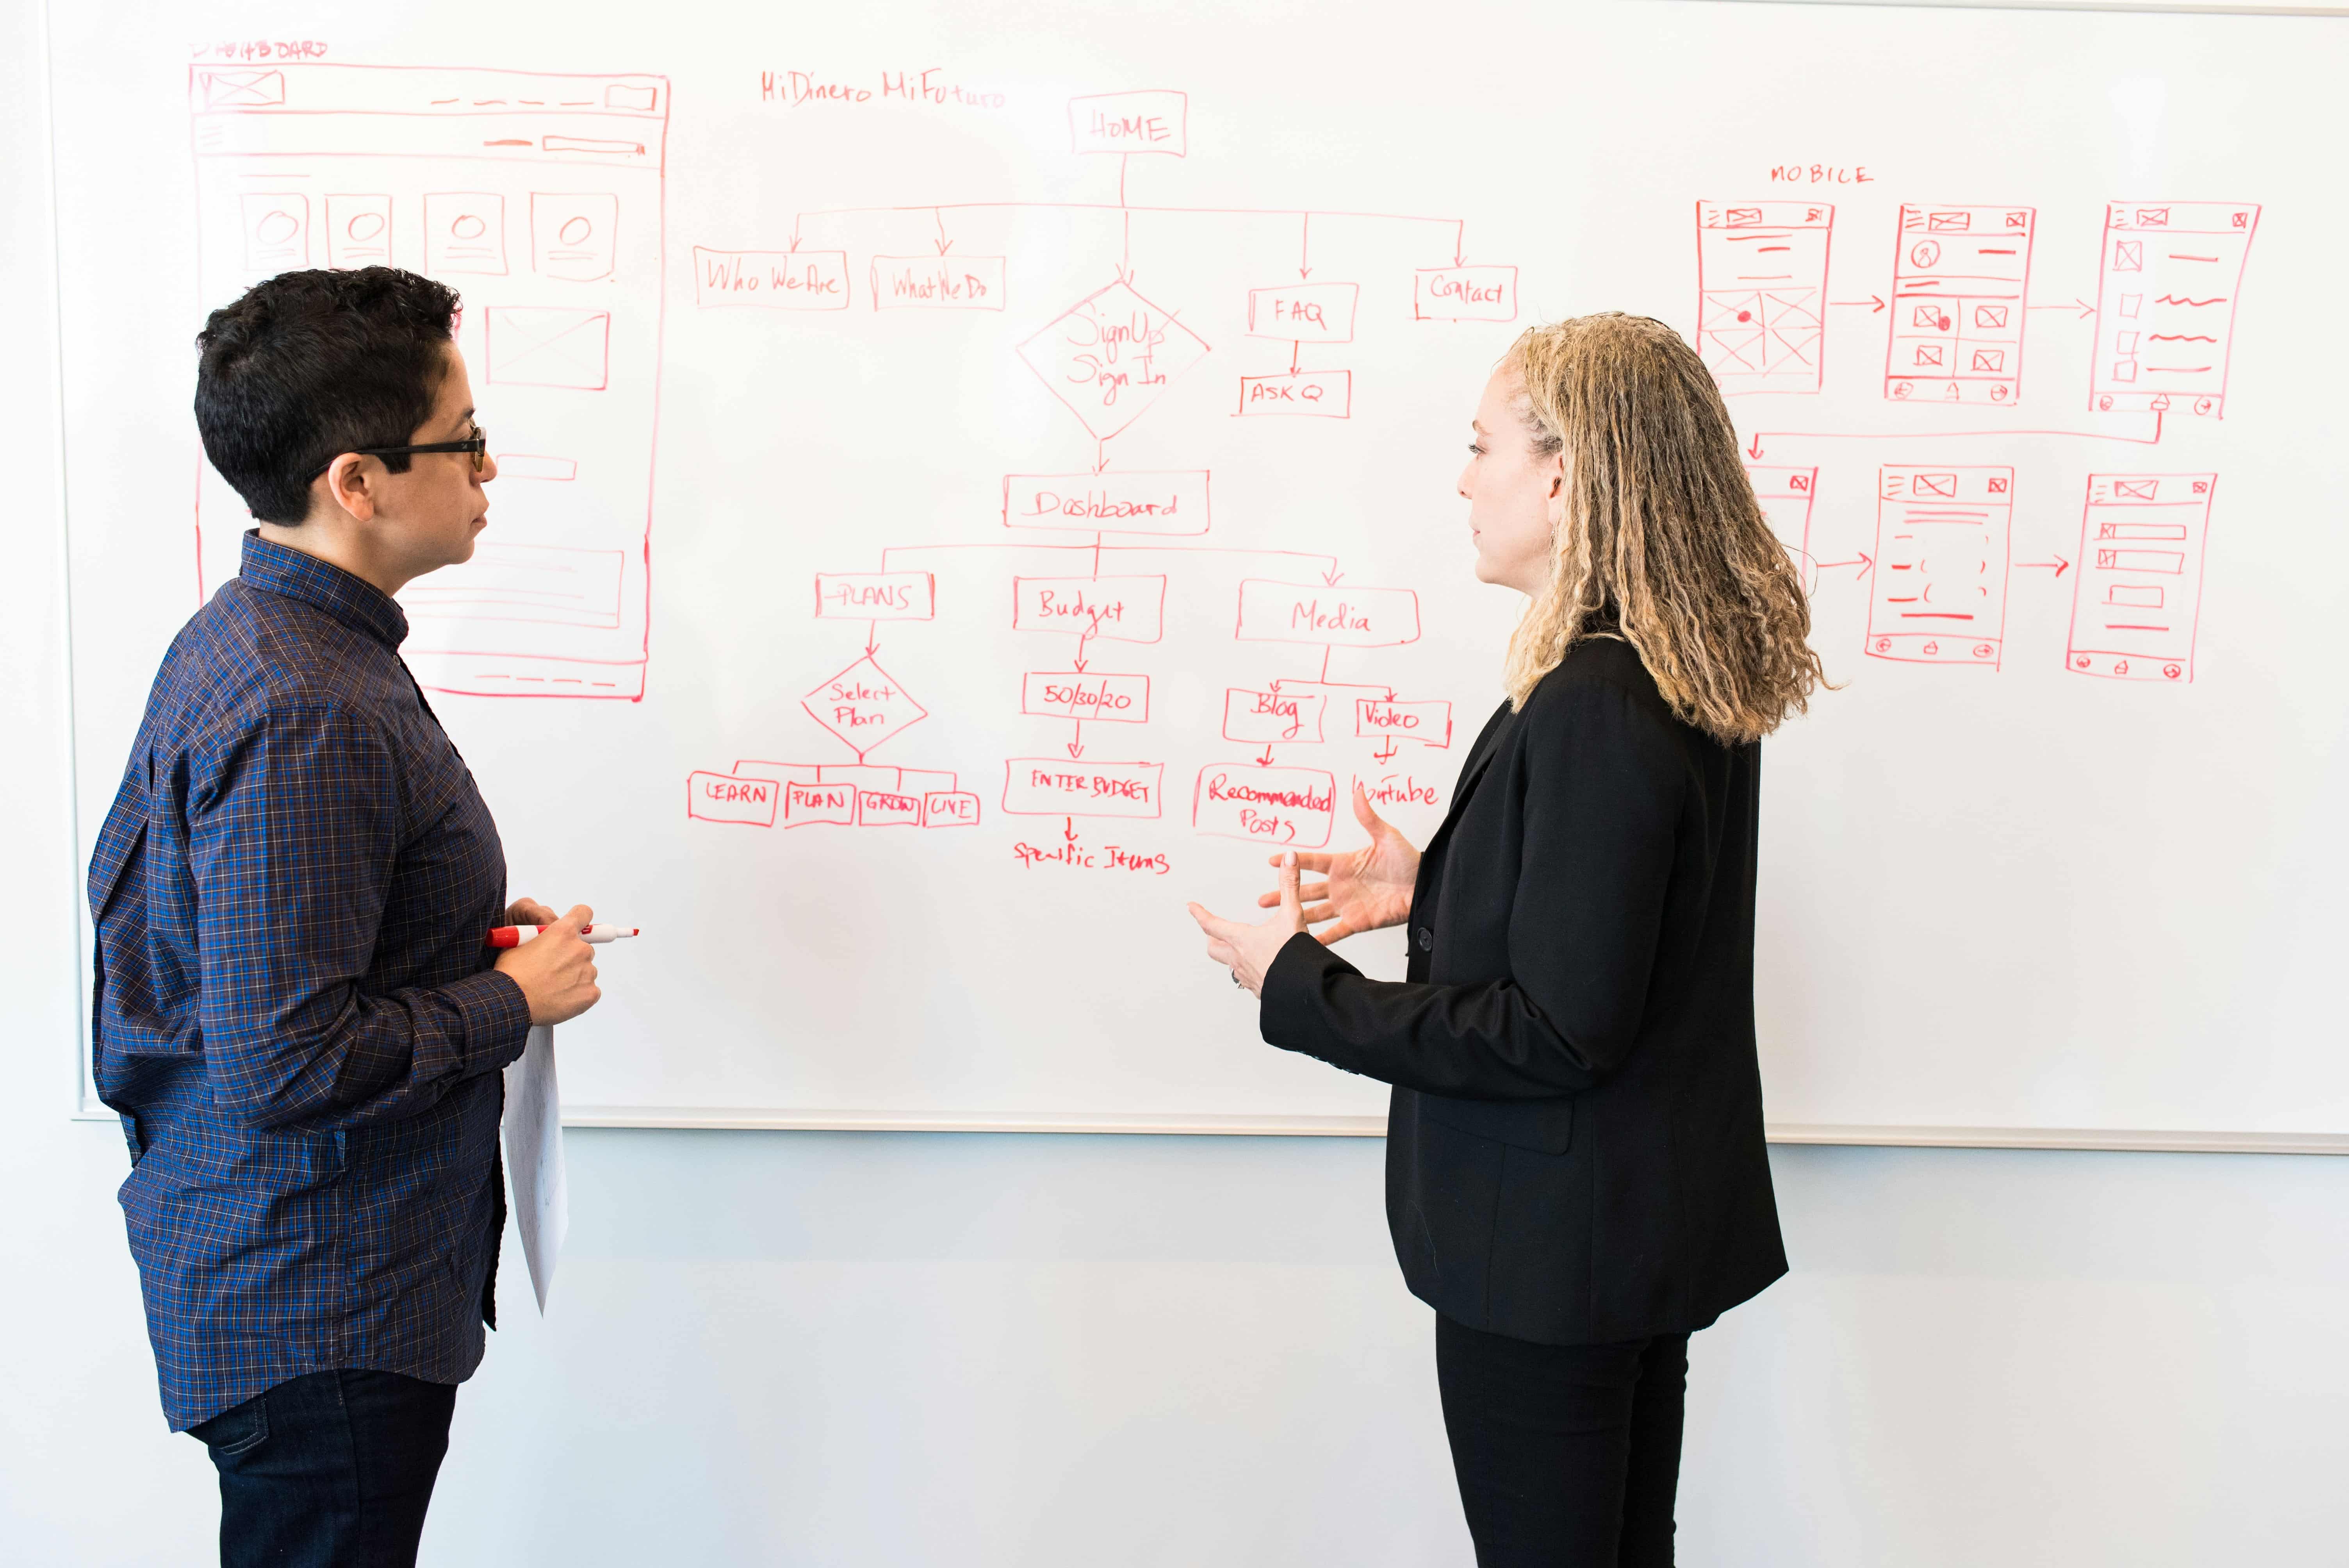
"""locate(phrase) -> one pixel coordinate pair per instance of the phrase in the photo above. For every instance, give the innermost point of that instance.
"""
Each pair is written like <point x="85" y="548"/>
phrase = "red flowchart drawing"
<point x="1118" y="609"/>
<point x="2167" y="288"/>
<point x="1059" y="787"/>
<point x="1464" y="293"/>
<point x="537" y="196"/>
<point x="846" y="794"/>
<point x="1429" y="722"/>
<point x="770" y="280"/>
<point x="1086" y="695"/>
<point x="875" y="597"/>
<point x="1304" y="313"/>
<point x="953" y="282"/>
<point x="1121" y="502"/>
<point x="1111" y="355"/>
<point x="1960" y="276"/>
<point x="1785" y="494"/>
<point x="2139" y="594"/>
<point x="1269" y="717"/>
<point x="1939" y="591"/>
<point x="1761" y="292"/>
<point x="724" y="798"/>
<point x="1318" y="613"/>
<point x="1311" y="394"/>
<point x="1153" y="121"/>
<point x="862" y="705"/>
<point x="1265" y="804"/>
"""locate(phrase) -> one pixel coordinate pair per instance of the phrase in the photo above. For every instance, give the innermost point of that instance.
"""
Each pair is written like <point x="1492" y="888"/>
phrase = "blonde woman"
<point x="1576" y="1173"/>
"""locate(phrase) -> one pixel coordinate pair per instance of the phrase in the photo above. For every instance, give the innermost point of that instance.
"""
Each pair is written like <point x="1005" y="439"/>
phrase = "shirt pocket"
<point x="1544" y="1126"/>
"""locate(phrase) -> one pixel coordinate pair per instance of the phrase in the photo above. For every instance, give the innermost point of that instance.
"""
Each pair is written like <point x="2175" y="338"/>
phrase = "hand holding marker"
<point x="515" y="935"/>
<point x="557" y="978"/>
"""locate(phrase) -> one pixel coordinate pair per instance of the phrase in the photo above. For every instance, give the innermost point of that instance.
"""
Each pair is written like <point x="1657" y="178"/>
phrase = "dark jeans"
<point x="1568" y="1456"/>
<point x="330" y="1469"/>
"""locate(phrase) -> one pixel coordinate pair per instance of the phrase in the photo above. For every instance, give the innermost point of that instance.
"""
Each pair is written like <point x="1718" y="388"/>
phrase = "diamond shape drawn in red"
<point x="862" y="705"/>
<point x="1111" y="355"/>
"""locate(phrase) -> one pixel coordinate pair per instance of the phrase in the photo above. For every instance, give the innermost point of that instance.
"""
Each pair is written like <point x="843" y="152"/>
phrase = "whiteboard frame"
<point x="86" y="1107"/>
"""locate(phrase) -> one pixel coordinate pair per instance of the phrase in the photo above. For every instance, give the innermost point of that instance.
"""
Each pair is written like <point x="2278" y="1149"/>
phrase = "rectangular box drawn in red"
<point x="1311" y="394"/>
<point x="1939" y="591"/>
<point x="949" y="809"/>
<point x="1266" y="805"/>
<point x="722" y="798"/>
<point x="464" y="231"/>
<point x="1785" y="494"/>
<point x="1056" y="786"/>
<point x="573" y="235"/>
<point x="887" y="809"/>
<point x="1959" y="278"/>
<point x="1465" y="294"/>
<point x="1168" y="502"/>
<point x="1120" y="609"/>
<point x="1153" y="120"/>
<point x="1081" y="694"/>
<point x="951" y="282"/>
<point x="358" y="231"/>
<point x="1304" y="313"/>
<point x="805" y="805"/>
<point x="770" y="280"/>
<point x="2138" y="596"/>
<point x="1341" y="617"/>
<point x="541" y="345"/>
<point x="2166" y="295"/>
<point x="1430" y="723"/>
<point x="876" y="595"/>
<point x="540" y="197"/>
<point x="1761" y="292"/>
<point x="1267" y="717"/>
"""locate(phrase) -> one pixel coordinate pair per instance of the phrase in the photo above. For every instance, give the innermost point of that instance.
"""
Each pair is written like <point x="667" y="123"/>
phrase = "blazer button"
<point x="1426" y="940"/>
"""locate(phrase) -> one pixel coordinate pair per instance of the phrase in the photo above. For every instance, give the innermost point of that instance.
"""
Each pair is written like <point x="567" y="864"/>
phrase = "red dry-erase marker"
<point x="515" y="935"/>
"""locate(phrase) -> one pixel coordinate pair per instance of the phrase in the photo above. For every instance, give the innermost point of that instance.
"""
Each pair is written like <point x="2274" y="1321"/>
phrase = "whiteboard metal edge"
<point x="723" y="1118"/>
<point x="85" y="1105"/>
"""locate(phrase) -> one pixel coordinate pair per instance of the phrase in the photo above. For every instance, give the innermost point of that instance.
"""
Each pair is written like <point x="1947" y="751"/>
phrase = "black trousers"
<point x="1568" y="1456"/>
<point x="330" y="1469"/>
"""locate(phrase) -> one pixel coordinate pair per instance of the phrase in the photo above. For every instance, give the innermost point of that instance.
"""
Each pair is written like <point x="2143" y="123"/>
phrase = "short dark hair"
<point x="307" y="366"/>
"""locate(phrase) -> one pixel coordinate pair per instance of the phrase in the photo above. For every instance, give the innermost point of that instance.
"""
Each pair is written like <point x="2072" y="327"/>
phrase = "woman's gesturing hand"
<point x="1247" y="951"/>
<point x="1366" y="889"/>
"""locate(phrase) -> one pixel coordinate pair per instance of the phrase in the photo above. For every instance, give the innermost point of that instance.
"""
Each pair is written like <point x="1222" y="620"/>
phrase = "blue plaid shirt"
<point x="294" y="1013"/>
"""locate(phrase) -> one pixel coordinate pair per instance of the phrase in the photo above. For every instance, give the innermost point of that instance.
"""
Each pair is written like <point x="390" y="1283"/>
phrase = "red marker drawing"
<point x="515" y="935"/>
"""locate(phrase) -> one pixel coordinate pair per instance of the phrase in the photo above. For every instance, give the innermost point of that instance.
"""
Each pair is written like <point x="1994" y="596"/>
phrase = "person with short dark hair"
<point x="294" y="1012"/>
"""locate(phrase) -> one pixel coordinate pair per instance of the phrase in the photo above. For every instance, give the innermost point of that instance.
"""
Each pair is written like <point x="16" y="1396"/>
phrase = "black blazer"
<point x="1575" y="1151"/>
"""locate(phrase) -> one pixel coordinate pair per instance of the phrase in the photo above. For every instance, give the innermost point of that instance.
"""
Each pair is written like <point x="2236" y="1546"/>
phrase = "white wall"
<point x="908" y="1349"/>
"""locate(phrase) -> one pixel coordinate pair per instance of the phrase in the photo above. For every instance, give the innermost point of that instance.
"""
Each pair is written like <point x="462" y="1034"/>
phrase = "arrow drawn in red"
<point x="1863" y="560"/>
<point x="2059" y="564"/>
<point x="1265" y="760"/>
<point x="1304" y="250"/>
<point x="795" y="232"/>
<point x="2082" y="308"/>
<point x="1077" y="746"/>
<point x="1387" y="755"/>
<point x="1874" y="303"/>
<point x="1459" y="240"/>
<point x="944" y="244"/>
<point x="1070" y="831"/>
<point x="871" y="638"/>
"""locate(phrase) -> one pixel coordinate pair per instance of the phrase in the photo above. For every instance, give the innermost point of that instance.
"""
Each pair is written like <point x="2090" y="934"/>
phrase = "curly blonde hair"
<point x="1662" y="542"/>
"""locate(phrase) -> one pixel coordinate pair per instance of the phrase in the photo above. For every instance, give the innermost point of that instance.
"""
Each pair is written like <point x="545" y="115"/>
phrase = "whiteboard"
<point x="974" y="480"/>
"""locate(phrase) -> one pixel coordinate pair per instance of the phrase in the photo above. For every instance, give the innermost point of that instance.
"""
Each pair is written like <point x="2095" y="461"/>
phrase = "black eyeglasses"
<point x="478" y="444"/>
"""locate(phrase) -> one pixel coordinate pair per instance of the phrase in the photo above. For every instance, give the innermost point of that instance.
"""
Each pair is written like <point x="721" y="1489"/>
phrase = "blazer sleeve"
<point x="1604" y="783"/>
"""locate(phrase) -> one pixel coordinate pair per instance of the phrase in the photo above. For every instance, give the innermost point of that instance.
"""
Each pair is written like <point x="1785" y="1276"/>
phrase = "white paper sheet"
<point x="533" y="1129"/>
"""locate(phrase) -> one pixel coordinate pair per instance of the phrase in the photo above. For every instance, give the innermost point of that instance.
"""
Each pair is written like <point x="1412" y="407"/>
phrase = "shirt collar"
<point x="295" y="575"/>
